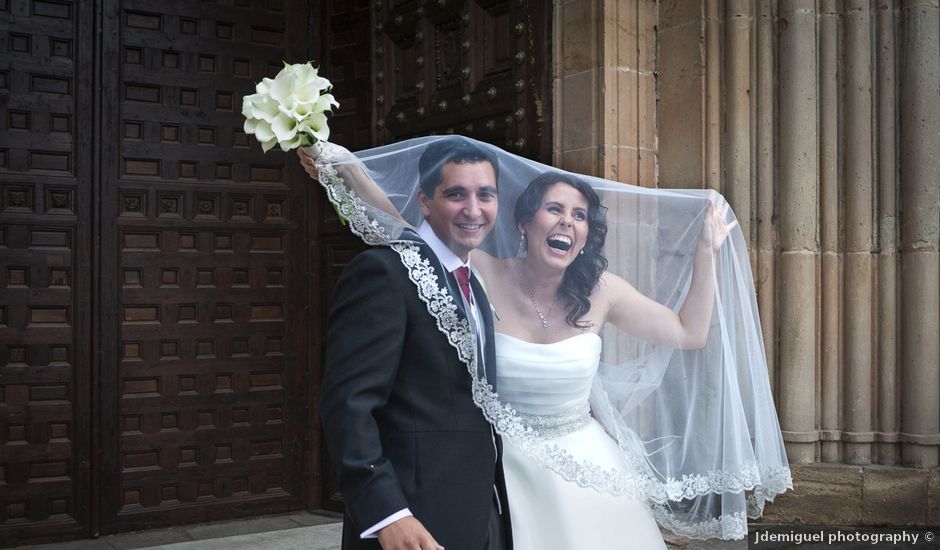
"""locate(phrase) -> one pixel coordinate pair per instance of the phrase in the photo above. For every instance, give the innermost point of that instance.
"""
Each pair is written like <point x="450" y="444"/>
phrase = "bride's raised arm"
<point x="645" y="318"/>
<point x="354" y="176"/>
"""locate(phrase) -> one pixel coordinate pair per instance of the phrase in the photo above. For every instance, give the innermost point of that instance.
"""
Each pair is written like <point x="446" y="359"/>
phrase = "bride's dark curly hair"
<point x="582" y="276"/>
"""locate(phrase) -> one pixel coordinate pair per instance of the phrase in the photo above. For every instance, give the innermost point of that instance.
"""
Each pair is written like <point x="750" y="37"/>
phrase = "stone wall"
<point x="819" y="120"/>
<point x="604" y="88"/>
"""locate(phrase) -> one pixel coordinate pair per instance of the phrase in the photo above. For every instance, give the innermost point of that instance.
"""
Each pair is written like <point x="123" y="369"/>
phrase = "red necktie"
<point x="463" y="279"/>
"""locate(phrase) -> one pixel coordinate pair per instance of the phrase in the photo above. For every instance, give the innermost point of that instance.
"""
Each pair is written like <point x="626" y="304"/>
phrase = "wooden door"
<point x="154" y="269"/>
<point x="46" y="267"/>
<point x="472" y="67"/>
<point x="203" y="268"/>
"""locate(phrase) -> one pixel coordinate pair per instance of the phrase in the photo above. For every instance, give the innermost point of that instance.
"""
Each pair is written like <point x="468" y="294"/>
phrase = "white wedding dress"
<point x="548" y="512"/>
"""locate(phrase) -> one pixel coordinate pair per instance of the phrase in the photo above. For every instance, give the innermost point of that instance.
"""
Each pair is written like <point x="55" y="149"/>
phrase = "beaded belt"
<point x="557" y="425"/>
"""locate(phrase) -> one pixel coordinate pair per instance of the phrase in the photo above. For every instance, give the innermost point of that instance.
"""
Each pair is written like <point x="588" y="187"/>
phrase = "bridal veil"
<point x="697" y="427"/>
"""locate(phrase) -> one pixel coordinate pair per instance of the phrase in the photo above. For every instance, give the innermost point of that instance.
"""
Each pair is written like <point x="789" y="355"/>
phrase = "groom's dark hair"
<point x="456" y="149"/>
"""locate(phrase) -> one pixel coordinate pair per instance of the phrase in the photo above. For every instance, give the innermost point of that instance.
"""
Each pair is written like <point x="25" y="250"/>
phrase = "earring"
<point x="523" y="246"/>
<point x="581" y="253"/>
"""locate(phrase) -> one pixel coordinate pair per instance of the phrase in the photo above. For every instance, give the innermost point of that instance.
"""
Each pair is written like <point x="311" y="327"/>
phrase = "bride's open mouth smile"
<point x="559" y="244"/>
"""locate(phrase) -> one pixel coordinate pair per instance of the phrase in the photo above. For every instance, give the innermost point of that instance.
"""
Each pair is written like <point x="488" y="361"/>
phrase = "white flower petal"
<point x="285" y="70"/>
<point x="248" y="105"/>
<point x="316" y="125"/>
<point x="265" y="108"/>
<point x="263" y="131"/>
<point x="284" y="127"/>
<point x="306" y="94"/>
<point x="282" y="86"/>
<point x="291" y="143"/>
<point x="326" y="103"/>
<point x="267" y="145"/>
<point x="304" y="109"/>
<point x="321" y="83"/>
<point x="264" y="86"/>
<point x="305" y="72"/>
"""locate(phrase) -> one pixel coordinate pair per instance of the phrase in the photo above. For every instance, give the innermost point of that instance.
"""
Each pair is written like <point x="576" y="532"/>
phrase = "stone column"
<point x="737" y="144"/>
<point x="830" y="184"/>
<point x="765" y="133"/>
<point x="712" y="32"/>
<point x="888" y="421"/>
<point x="605" y="89"/>
<point x="681" y="90"/>
<point x="920" y="234"/>
<point x="858" y="296"/>
<point x="576" y="75"/>
<point x="829" y="143"/>
<point x="799" y="244"/>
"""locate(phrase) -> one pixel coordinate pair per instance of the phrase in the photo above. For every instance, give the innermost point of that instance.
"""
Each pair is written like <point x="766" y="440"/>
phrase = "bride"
<point x="552" y="302"/>
<point x="618" y="407"/>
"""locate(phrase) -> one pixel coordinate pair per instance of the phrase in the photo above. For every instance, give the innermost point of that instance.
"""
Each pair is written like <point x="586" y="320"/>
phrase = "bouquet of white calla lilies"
<point x="290" y="109"/>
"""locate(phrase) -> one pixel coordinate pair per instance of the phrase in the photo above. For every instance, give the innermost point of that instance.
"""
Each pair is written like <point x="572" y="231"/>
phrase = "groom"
<point x="419" y="466"/>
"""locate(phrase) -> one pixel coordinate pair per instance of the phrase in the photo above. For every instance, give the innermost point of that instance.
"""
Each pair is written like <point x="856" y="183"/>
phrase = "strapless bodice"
<point x="546" y="379"/>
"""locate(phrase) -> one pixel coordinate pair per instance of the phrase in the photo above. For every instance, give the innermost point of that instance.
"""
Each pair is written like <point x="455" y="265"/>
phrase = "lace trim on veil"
<point x="509" y="423"/>
<point x="348" y="205"/>
<point x="763" y="485"/>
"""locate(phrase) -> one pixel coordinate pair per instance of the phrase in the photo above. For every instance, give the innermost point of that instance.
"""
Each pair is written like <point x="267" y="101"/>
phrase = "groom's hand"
<point x="407" y="534"/>
<point x="308" y="164"/>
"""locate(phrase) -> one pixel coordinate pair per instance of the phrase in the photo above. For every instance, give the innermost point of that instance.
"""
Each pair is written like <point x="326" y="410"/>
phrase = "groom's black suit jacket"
<point x="397" y="410"/>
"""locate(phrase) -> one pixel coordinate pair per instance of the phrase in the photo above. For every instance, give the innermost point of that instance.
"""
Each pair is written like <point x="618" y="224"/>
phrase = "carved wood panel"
<point x="472" y="67"/>
<point x="45" y="224"/>
<point x="204" y="344"/>
<point x="344" y="29"/>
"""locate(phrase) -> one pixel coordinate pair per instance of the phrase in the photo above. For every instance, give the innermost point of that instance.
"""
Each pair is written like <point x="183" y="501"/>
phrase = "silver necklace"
<point x="539" y="311"/>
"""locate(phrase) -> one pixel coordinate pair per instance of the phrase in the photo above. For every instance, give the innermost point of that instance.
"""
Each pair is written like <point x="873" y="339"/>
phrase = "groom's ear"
<point x="423" y="203"/>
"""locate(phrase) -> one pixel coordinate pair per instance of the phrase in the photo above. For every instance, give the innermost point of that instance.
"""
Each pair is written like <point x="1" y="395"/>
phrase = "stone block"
<point x="620" y="35"/>
<point x="647" y="168"/>
<point x="894" y="496"/>
<point x="646" y="28"/>
<point x="797" y="355"/>
<point x="681" y="109"/>
<point x="84" y="544"/>
<point x="608" y="160"/>
<point x="674" y="13"/>
<point x="232" y="528"/>
<point x="146" y="539"/>
<point x="628" y="165"/>
<point x="801" y="7"/>
<point x="583" y="161"/>
<point x="579" y="30"/>
<point x="321" y="517"/>
<point x="920" y="348"/>
<point x="933" y="497"/>
<point x="822" y="495"/>
<point x="623" y="107"/>
<point x="579" y="112"/>
<point x="646" y="111"/>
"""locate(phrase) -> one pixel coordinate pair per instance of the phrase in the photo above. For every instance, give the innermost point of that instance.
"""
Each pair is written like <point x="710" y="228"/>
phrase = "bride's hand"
<point x="716" y="229"/>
